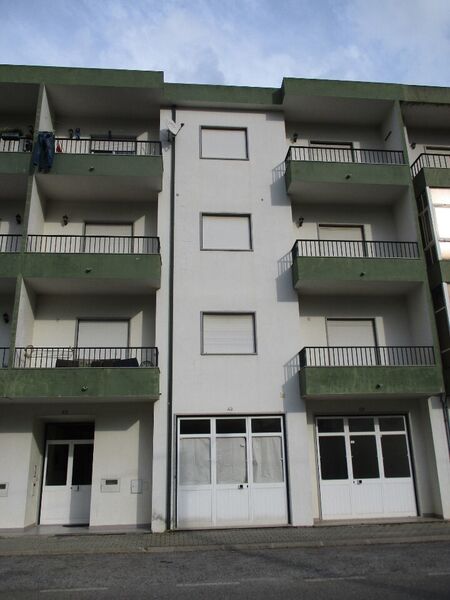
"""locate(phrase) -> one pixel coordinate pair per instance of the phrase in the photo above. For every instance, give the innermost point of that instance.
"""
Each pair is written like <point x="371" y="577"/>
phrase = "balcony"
<point x="431" y="170"/>
<point x="83" y="373"/>
<point x="345" y="265"/>
<point x="103" y="158"/>
<point x="343" y="172"/>
<point x="94" y="257"/>
<point x="369" y="371"/>
<point x="15" y="154"/>
<point x="9" y="255"/>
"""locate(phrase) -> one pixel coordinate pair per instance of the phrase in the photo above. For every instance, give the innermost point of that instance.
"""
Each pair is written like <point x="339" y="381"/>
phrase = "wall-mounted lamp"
<point x="64" y="220"/>
<point x="413" y="145"/>
<point x="294" y="138"/>
<point x="300" y="221"/>
<point x="18" y="219"/>
<point x="6" y="317"/>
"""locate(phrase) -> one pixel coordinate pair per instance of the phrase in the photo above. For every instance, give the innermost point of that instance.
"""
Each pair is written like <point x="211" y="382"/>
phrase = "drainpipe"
<point x="170" y="329"/>
<point x="444" y="401"/>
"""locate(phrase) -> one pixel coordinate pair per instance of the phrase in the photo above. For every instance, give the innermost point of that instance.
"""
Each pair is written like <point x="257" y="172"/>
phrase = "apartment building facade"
<point x="217" y="305"/>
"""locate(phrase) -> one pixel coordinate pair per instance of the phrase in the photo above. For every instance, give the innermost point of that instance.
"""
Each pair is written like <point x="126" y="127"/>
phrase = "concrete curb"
<point x="231" y="547"/>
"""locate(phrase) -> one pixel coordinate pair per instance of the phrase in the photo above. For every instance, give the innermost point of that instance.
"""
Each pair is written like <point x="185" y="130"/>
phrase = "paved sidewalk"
<point x="280" y="537"/>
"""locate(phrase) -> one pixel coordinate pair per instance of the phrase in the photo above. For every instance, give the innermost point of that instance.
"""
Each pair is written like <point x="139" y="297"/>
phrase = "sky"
<point x="235" y="42"/>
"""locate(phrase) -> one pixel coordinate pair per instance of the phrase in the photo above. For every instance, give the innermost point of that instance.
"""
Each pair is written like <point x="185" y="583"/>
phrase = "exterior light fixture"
<point x="300" y="221"/>
<point x="6" y="317"/>
<point x="65" y="220"/>
<point x="18" y="219"/>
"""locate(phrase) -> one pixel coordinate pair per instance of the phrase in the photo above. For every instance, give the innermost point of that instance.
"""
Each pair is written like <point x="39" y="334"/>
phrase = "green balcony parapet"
<point x="82" y="373"/>
<point x="346" y="166"/>
<point x="409" y="371"/>
<point x="351" y="260"/>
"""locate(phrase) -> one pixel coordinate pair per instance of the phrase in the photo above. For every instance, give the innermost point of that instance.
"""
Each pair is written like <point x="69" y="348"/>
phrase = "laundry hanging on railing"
<point x="44" y="151"/>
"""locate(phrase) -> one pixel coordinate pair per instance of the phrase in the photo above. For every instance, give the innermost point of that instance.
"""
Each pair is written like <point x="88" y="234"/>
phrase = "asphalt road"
<point x="403" y="571"/>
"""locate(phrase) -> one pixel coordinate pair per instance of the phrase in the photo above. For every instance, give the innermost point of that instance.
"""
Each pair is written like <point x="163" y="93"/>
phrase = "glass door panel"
<point x="231" y="460"/>
<point x="82" y="464"/>
<point x="364" y="457"/>
<point x="57" y="461"/>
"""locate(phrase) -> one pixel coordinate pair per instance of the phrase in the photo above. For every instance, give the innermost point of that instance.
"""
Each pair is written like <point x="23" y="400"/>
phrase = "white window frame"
<point x="248" y="216"/>
<point x="221" y="128"/>
<point x="227" y="314"/>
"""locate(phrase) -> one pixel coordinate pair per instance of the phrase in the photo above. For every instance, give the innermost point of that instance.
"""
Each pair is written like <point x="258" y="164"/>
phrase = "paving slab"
<point x="267" y="537"/>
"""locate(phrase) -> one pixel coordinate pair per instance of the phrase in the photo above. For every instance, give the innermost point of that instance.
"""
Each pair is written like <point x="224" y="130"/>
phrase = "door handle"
<point x="357" y="481"/>
<point x="241" y="486"/>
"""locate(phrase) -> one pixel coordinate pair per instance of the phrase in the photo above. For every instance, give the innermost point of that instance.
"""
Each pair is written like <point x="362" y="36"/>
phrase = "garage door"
<point x="231" y="471"/>
<point x="365" y="467"/>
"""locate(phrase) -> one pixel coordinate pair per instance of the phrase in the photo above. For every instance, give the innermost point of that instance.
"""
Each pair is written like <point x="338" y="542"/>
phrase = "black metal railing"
<point x="107" y="146"/>
<point x="345" y="155"/>
<point x="433" y="161"/>
<point x="47" y="358"/>
<point x="10" y="243"/>
<point x="93" y="244"/>
<point x="4" y="357"/>
<point x="354" y="249"/>
<point x="367" y="356"/>
<point x="15" y="144"/>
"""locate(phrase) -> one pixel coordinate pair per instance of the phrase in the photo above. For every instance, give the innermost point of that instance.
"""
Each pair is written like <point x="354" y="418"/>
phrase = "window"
<point x="352" y="342"/>
<point x="440" y="198"/>
<point x="331" y="151"/>
<point x="226" y="232"/>
<point x="223" y="142"/>
<point x="108" y="238"/>
<point x="226" y="333"/>
<point x="341" y="240"/>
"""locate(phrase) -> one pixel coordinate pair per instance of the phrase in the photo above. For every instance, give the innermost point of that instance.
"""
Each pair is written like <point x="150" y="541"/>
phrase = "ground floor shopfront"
<point x="367" y="460"/>
<point x="80" y="464"/>
<point x="99" y="464"/>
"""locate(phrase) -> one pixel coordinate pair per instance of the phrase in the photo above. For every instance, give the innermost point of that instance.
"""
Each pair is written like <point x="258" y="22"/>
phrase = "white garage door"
<point x="231" y="472"/>
<point x="365" y="467"/>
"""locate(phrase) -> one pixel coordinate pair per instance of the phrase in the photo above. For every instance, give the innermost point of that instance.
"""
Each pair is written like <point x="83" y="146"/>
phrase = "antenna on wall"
<point x="173" y="129"/>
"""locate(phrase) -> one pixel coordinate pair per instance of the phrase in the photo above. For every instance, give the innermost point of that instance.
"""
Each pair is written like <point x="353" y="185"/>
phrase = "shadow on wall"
<point x="278" y="193"/>
<point x="291" y="386"/>
<point x="285" y="289"/>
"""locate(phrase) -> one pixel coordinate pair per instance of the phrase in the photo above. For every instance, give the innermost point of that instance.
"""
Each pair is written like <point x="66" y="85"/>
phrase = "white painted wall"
<point x="160" y="431"/>
<point x="425" y="137"/>
<point x="142" y="215"/>
<point x="46" y="121"/>
<point x="378" y="221"/>
<point x="6" y="306"/>
<point x="36" y="211"/>
<point x="15" y="446"/>
<point x="258" y="281"/>
<point x="143" y="129"/>
<point x="361" y="137"/>
<point x="25" y="316"/>
<point x="122" y="448"/>
<point x="421" y="326"/>
<point x="56" y="317"/>
<point x="8" y="211"/>
<point x="391" y="319"/>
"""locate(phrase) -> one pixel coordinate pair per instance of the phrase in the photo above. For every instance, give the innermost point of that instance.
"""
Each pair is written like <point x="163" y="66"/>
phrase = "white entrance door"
<point x="365" y="468"/>
<point x="231" y="472"/>
<point x="66" y="492"/>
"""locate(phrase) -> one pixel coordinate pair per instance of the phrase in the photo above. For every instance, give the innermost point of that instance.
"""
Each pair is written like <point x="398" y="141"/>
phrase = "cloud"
<point x="245" y="42"/>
